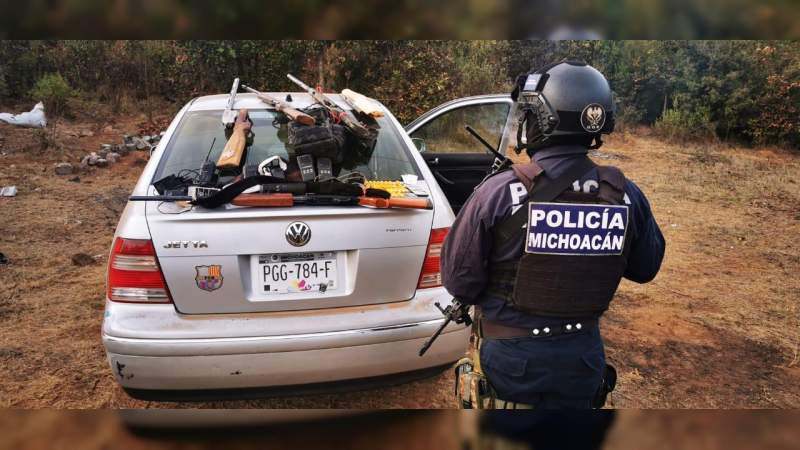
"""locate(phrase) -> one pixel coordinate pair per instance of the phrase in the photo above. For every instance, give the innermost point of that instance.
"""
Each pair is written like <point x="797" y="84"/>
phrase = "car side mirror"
<point x="420" y="144"/>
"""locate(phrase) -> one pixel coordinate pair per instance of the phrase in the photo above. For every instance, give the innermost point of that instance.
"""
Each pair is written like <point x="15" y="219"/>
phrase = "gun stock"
<point x="271" y="200"/>
<point x="361" y="103"/>
<point x="231" y="156"/>
<point x="406" y="203"/>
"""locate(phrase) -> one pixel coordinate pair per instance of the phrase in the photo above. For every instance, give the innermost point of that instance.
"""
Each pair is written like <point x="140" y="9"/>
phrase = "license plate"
<point x="291" y="273"/>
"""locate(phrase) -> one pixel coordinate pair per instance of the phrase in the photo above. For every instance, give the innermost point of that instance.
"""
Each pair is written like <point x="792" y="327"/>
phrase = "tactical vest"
<point x="571" y="265"/>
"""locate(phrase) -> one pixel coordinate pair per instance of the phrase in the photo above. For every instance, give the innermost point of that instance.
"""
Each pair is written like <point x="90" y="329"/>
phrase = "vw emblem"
<point x="298" y="234"/>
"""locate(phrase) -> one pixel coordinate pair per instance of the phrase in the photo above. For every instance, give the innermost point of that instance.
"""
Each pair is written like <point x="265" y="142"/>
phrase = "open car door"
<point x="458" y="161"/>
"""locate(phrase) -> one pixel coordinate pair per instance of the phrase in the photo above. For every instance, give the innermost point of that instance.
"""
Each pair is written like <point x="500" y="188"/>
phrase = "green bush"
<point x="748" y="90"/>
<point x="54" y="91"/>
<point x="683" y="125"/>
<point x="3" y="84"/>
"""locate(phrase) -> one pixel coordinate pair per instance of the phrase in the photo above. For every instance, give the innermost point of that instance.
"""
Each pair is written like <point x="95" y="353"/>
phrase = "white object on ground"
<point x="33" y="119"/>
<point x="8" y="191"/>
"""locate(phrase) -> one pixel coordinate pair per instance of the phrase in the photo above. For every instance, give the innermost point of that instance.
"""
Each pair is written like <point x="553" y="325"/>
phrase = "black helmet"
<point x="568" y="101"/>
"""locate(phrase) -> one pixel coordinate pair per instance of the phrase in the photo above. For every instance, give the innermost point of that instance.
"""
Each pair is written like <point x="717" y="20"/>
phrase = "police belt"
<point x="494" y="330"/>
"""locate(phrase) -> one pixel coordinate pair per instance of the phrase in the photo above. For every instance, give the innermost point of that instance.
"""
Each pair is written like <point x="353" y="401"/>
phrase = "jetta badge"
<point x="208" y="278"/>
<point x="298" y="234"/>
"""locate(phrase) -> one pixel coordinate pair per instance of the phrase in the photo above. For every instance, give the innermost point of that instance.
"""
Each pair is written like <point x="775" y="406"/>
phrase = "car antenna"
<point x="209" y="149"/>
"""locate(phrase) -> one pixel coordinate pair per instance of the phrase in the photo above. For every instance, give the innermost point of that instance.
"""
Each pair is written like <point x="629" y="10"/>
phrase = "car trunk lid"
<point x="214" y="261"/>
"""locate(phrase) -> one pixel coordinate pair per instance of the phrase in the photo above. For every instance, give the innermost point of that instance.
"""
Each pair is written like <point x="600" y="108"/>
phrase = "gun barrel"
<point x="249" y="89"/>
<point x="160" y="198"/>
<point x="430" y="340"/>
<point x="232" y="97"/>
<point x="302" y="85"/>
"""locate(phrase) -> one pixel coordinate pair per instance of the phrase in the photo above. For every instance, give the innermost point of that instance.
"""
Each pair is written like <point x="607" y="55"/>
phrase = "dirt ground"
<point x="406" y="430"/>
<point x="718" y="328"/>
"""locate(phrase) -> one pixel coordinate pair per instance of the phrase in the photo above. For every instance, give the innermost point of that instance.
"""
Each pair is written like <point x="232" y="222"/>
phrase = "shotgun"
<point x="281" y="106"/>
<point x="279" y="200"/>
<point x="347" y="118"/>
<point x="231" y="156"/>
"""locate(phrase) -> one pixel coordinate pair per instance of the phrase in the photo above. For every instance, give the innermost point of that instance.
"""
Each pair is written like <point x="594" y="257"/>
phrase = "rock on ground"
<point x="82" y="259"/>
<point x="64" y="168"/>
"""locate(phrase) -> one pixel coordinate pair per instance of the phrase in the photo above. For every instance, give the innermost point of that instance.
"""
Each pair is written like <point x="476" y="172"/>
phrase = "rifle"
<point x="455" y="312"/>
<point x="347" y="119"/>
<point x="285" y="199"/>
<point x="500" y="160"/>
<point x="281" y="106"/>
<point x="229" y="115"/>
<point x="231" y="156"/>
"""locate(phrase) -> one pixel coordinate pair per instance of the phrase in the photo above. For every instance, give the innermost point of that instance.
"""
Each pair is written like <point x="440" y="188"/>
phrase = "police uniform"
<point x="539" y="294"/>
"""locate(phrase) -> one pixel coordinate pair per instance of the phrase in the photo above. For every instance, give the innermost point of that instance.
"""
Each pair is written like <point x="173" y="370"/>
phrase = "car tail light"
<point x="431" y="275"/>
<point x="134" y="274"/>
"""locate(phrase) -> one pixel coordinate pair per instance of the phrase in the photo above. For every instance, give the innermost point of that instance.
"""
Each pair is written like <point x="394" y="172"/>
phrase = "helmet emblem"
<point x="298" y="234"/>
<point x="593" y="118"/>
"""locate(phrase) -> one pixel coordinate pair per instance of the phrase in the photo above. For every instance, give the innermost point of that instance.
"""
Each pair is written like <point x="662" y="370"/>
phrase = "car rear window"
<point x="200" y="136"/>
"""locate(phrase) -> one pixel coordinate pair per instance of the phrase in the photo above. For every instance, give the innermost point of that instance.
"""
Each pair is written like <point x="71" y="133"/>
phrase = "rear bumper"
<point x="230" y="364"/>
<point x="185" y="360"/>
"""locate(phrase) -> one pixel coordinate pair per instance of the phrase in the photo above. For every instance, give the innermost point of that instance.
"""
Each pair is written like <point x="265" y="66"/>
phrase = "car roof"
<point x="250" y="101"/>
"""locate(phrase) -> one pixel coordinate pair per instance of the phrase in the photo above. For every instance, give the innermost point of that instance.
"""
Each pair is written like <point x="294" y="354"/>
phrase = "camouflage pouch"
<point x="473" y="390"/>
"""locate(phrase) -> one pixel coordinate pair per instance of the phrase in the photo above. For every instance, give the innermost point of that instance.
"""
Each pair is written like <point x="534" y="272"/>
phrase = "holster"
<point x="606" y="387"/>
<point x="473" y="390"/>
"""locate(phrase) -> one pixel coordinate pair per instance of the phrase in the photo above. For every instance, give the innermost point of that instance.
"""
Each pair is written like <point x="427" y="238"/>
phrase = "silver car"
<point x="199" y="301"/>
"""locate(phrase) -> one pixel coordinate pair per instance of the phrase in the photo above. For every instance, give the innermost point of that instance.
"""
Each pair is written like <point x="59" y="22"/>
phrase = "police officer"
<point x="540" y="249"/>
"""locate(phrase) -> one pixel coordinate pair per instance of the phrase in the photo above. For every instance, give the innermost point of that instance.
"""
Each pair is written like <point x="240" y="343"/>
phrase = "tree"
<point x="54" y="91"/>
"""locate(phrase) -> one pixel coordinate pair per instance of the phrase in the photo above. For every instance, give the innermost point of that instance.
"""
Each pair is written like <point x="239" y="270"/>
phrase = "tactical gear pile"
<point x="324" y="139"/>
<point x="326" y="147"/>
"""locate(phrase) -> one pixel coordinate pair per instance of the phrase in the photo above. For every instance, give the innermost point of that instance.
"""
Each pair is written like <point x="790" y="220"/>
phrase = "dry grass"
<point x="718" y="328"/>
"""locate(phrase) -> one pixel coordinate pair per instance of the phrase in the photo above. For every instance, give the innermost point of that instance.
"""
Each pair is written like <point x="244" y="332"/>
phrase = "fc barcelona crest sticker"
<point x="208" y="278"/>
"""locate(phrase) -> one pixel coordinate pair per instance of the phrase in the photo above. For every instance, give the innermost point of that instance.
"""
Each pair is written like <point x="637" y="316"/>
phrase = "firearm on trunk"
<point x="286" y="199"/>
<point x="347" y="118"/>
<point x="281" y="106"/>
<point x="231" y="156"/>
